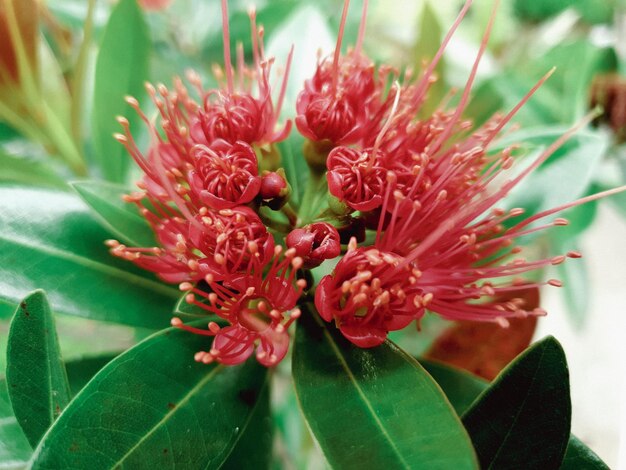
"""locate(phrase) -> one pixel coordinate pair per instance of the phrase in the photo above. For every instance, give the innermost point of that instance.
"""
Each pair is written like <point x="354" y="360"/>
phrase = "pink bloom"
<point x="220" y="243"/>
<point x="315" y="243"/>
<point x="259" y="308"/>
<point x="225" y="175"/>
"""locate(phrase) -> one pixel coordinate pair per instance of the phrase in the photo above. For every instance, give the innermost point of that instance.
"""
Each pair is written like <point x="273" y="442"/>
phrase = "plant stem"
<point x="310" y="200"/>
<point x="78" y="80"/>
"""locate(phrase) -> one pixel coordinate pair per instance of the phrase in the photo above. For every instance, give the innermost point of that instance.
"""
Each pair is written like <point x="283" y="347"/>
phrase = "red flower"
<point x="315" y="243"/>
<point x="356" y="177"/>
<point x="440" y="243"/>
<point x="258" y="307"/>
<point x="338" y="101"/>
<point x="220" y="243"/>
<point x="225" y="175"/>
<point x="367" y="296"/>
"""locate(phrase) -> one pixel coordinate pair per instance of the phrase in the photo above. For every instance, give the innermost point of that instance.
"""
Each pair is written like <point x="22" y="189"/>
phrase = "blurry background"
<point x="584" y="39"/>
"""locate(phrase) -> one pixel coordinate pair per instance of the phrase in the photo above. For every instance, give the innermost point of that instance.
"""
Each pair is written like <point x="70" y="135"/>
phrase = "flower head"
<point x="258" y="306"/>
<point x="432" y="186"/>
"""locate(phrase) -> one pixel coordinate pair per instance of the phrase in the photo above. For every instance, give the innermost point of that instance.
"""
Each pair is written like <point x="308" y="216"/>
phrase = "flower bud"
<point x="275" y="190"/>
<point x="315" y="243"/>
<point x="273" y="185"/>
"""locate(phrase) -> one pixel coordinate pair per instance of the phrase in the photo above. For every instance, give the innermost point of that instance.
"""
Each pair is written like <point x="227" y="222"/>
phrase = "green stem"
<point x="311" y="197"/>
<point x="63" y="142"/>
<point x="290" y="214"/>
<point x="78" y="81"/>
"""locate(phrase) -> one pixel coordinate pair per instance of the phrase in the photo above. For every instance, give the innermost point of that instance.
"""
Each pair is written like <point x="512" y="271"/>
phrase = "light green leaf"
<point x="14" y="447"/>
<point x="118" y="216"/>
<point x="121" y="69"/>
<point x="524" y="416"/>
<point x="28" y="172"/>
<point x="36" y="377"/>
<point x="49" y="240"/>
<point x="154" y="407"/>
<point x="373" y="408"/>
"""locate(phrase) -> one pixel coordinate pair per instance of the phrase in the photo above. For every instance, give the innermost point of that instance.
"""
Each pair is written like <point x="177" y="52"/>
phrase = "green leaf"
<point x="429" y="41"/>
<point x="80" y="371"/>
<point x="36" y="376"/>
<point x="306" y="28"/>
<point x="566" y="176"/>
<point x="460" y="387"/>
<point x="296" y="168"/>
<point x="374" y="407"/>
<point x="524" y="416"/>
<point x="254" y="448"/>
<point x="49" y="240"/>
<point x="28" y="171"/>
<point x="121" y="69"/>
<point x="153" y="406"/>
<point x="14" y="447"/>
<point x="581" y="457"/>
<point x="118" y="216"/>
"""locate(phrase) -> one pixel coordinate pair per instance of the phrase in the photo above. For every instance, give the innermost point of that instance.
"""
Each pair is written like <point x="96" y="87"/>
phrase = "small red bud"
<point x="273" y="185"/>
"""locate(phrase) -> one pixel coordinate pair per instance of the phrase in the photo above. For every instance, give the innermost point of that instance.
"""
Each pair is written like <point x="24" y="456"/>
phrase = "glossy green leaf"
<point x="153" y="406"/>
<point x="373" y="408"/>
<point x="36" y="376"/>
<point x="118" y="216"/>
<point x="580" y="457"/>
<point x="121" y="69"/>
<point x="460" y="387"/>
<point x="524" y="416"/>
<point x="49" y="240"/>
<point x="14" y="447"/>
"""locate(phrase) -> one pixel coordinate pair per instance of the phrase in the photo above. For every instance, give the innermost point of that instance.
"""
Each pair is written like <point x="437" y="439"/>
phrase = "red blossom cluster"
<point x="426" y="187"/>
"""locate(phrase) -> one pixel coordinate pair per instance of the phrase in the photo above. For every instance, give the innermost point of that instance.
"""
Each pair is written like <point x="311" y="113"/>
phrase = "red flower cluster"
<point x="430" y="188"/>
<point x="205" y="176"/>
<point x="427" y="187"/>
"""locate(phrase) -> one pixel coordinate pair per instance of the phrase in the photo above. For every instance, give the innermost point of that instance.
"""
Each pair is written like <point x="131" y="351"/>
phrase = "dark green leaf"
<point x="254" y="448"/>
<point x="14" y="448"/>
<point x="581" y="457"/>
<point x="118" y="216"/>
<point x="36" y="376"/>
<point x="154" y="407"/>
<point x="373" y="408"/>
<point x="460" y="387"/>
<point x="121" y="69"/>
<point x="50" y="240"/>
<point x="524" y="416"/>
